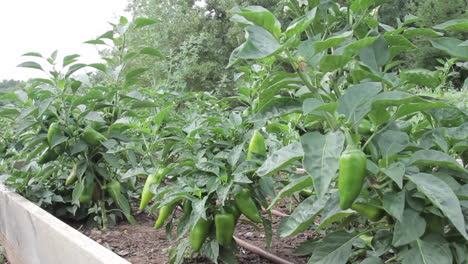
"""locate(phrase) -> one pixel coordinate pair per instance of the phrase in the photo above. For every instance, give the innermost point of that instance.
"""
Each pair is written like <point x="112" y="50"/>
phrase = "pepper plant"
<point x="399" y="174"/>
<point x="77" y="133"/>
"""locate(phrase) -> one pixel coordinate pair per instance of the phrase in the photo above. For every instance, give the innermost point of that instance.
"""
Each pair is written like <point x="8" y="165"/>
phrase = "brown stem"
<point x="262" y="253"/>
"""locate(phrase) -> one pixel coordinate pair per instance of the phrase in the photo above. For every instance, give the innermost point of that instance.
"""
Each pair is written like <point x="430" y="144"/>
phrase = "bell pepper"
<point x="146" y="194"/>
<point x="231" y="207"/>
<point x="164" y="213"/>
<point x="256" y="146"/>
<point x="87" y="194"/>
<point x="54" y="129"/>
<point x="364" y="127"/>
<point x="225" y="224"/>
<point x="49" y="155"/>
<point x="199" y="233"/>
<point x="247" y="205"/>
<point x="352" y="174"/>
<point x="371" y="211"/>
<point x="72" y="176"/>
<point x="92" y="136"/>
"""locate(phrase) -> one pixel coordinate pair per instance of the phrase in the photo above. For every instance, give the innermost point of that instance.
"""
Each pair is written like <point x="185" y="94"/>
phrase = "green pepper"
<point x="247" y="205"/>
<point x="49" y="155"/>
<point x="225" y="224"/>
<point x="164" y="213"/>
<point x="351" y="176"/>
<point x="92" y="137"/>
<point x="256" y="145"/>
<point x="87" y="194"/>
<point x="306" y="192"/>
<point x="114" y="188"/>
<point x="199" y="233"/>
<point x="72" y="176"/>
<point x="371" y="211"/>
<point x="232" y="208"/>
<point x="364" y="127"/>
<point x="54" y="129"/>
<point x="146" y="194"/>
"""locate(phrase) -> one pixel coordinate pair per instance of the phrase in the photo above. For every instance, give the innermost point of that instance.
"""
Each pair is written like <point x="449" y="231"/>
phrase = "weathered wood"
<point x="30" y="235"/>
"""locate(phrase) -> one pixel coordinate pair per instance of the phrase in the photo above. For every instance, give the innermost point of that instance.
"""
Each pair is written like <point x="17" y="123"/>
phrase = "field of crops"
<point x="326" y="148"/>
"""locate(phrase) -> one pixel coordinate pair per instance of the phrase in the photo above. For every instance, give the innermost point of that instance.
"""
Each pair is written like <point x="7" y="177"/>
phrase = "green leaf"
<point x="409" y="229"/>
<point x="396" y="172"/>
<point x="421" y="77"/>
<point x="394" y="204"/>
<point x="33" y="54"/>
<point x="95" y="41"/>
<point x="73" y="68"/>
<point x="415" y="32"/>
<point x="302" y="217"/>
<point x="95" y="116"/>
<point x="460" y="24"/>
<point x="31" y="64"/>
<point x="360" y="6"/>
<point x="135" y="73"/>
<point x="375" y="55"/>
<point x="294" y="186"/>
<point x="372" y="260"/>
<point x="280" y="159"/>
<point x="428" y="157"/>
<point x="443" y="197"/>
<point x="143" y="21"/>
<point x="430" y="250"/>
<point x="152" y="52"/>
<point x="357" y="100"/>
<point x="332" y="211"/>
<point x="315" y="106"/>
<point x="69" y="59"/>
<point x="331" y="42"/>
<point x="98" y="66"/>
<point x="330" y="63"/>
<point x="355" y="47"/>
<point x="334" y="248"/>
<point x="391" y="142"/>
<point x="412" y="108"/>
<point x="259" y="44"/>
<point x="300" y="24"/>
<point x="451" y="46"/>
<point x="261" y="17"/>
<point x="276" y="108"/>
<point x="321" y="157"/>
<point x="395" y="98"/>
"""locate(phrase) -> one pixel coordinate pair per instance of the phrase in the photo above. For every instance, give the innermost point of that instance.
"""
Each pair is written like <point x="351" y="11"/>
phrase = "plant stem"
<point x="105" y="220"/>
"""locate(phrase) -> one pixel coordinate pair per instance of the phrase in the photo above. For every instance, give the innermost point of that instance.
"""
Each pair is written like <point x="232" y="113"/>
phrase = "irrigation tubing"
<point x="262" y="253"/>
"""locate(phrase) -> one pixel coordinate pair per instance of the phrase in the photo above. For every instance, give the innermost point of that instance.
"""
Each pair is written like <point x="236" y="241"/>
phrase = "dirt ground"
<point x="142" y="244"/>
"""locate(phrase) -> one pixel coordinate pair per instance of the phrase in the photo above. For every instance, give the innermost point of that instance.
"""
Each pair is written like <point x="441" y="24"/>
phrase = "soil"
<point x="142" y="244"/>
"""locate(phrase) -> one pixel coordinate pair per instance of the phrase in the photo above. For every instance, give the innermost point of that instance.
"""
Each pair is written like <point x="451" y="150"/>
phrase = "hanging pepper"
<point x="364" y="127"/>
<point x="247" y="205"/>
<point x="352" y="174"/>
<point x="146" y="194"/>
<point x="371" y="211"/>
<point x="53" y="130"/>
<point x="48" y="156"/>
<point x="87" y="194"/>
<point x="92" y="137"/>
<point x="72" y="176"/>
<point x="231" y="207"/>
<point x="164" y="213"/>
<point x="199" y="233"/>
<point x="256" y="145"/>
<point x="225" y="224"/>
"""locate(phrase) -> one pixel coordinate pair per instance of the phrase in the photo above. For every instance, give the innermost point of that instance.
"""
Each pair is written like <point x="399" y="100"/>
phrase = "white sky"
<point x="47" y="25"/>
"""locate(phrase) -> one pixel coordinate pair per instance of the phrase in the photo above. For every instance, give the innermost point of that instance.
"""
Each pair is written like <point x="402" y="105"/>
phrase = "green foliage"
<point x="306" y="84"/>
